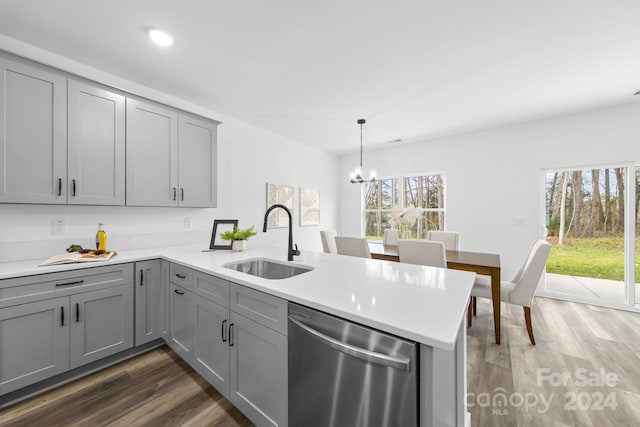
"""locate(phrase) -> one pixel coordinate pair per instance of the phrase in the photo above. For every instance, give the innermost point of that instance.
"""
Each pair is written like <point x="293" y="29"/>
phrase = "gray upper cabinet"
<point x="33" y="134"/>
<point x="96" y="146"/>
<point x="152" y="154"/>
<point x="197" y="161"/>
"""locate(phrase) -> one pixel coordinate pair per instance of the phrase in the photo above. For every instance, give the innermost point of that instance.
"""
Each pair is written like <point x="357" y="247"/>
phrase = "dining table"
<point x="477" y="262"/>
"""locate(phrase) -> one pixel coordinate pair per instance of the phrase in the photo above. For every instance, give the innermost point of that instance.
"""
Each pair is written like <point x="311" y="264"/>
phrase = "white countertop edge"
<point x="442" y="335"/>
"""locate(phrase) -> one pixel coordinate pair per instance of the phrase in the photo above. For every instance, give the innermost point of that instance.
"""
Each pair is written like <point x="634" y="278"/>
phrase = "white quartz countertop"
<point x="424" y="304"/>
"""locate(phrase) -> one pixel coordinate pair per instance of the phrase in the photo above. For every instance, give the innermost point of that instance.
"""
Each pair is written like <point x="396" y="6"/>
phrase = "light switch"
<point x="59" y="227"/>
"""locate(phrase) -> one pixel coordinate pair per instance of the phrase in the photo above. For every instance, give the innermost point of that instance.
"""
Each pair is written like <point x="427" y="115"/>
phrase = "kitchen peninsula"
<point x="423" y="304"/>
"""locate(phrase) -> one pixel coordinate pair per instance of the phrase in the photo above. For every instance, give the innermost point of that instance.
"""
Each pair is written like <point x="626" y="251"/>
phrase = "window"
<point x="426" y="192"/>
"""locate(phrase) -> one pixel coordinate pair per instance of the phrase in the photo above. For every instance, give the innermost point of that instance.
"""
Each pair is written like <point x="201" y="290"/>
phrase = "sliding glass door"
<point x="586" y="219"/>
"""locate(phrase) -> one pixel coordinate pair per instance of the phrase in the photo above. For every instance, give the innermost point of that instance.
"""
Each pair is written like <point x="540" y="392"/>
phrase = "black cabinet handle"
<point x="178" y="292"/>
<point x="61" y="316"/>
<point x="77" y="282"/>
<point x="59" y="186"/>
<point x="77" y="312"/>
<point x="141" y="277"/>
<point x="182" y="194"/>
<point x="222" y="328"/>
<point x="73" y="187"/>
<point x="180" y="276"/>
<point x="231" y="335"/>
<point x="174" y="193"/>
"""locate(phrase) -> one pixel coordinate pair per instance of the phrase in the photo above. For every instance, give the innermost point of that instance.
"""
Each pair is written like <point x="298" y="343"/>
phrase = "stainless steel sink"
<point x="268" y="269"/>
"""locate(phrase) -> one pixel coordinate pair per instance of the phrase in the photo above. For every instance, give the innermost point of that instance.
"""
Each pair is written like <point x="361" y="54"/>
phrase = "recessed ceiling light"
<point x="159" y="37"/>
<point x="637" y="93"/>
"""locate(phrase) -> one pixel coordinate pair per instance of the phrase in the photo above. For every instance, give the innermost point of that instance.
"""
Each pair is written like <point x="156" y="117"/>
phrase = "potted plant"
<point x="238" y="237"/>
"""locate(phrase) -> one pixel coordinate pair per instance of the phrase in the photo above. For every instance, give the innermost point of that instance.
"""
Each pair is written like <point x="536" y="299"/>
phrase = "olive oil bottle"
<point x="101" y="238"/>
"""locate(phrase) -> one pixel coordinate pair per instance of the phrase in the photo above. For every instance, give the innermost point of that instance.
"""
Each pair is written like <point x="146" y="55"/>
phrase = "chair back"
<point x="353" y="246"/>
<point x="527" y="279"/>
<point x="451" y="239"/>
<point x="329" y="241"/>
<point x="390" y="237"/>
<point x="422" y="252"/>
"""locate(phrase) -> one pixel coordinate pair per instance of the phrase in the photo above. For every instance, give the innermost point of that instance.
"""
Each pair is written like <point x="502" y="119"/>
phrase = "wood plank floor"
<point x="159" y="389"/>
<point x="153" y="389"/>
<point x="576" y="344"/>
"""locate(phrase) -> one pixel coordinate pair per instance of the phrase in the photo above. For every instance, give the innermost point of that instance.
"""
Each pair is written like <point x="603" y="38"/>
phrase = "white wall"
<point x="494" y="176"/>
<point x="249" y="157"/>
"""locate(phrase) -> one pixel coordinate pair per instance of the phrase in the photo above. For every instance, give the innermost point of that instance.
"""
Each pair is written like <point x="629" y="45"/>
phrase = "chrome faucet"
<point x="290" y="251"/>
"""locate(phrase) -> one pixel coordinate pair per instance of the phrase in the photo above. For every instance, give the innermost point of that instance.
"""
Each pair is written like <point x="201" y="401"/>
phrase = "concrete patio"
<point x="609" y="290"/>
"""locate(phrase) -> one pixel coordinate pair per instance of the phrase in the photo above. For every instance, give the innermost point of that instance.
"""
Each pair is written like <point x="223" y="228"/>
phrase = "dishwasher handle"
<point x="371" y="356"/>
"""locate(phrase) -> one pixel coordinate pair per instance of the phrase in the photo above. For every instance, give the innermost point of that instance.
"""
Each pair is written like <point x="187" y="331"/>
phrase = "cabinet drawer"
<point x="212" y="288"/>
<point x="22" y="290"/>
<point x="181" y="276"/>
<point x="263" y="308"/>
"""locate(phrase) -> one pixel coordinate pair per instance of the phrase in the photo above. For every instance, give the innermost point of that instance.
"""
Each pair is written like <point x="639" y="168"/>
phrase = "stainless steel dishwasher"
<point x="344" y="374"/>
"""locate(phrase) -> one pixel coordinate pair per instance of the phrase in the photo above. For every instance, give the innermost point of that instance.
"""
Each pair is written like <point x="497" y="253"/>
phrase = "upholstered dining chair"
<point x="390" y="237"/>
<point x="353" y="246"/>
<point x="451" y="239"/>
<point x="329" y="241"/>
<point x="521" y="289"/>
<point x="422" y="252"/>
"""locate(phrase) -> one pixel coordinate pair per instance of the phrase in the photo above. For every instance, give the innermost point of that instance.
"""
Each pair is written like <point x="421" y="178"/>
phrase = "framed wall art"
<point x="279" y="194"/>
<point x="309" y="206"/>
<point x="219" y="227"/>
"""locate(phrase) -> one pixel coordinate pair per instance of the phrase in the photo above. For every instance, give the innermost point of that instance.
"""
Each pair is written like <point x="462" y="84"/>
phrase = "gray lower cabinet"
<point x="54" y="322"/>
<point x="258" y="371"/>
<point x="101" y="324"/>
<point x="235" y="337"/>
<point x="181" y="321"/>
<point x="150" y="307"/>
<point x="34" y="342"/>
<point x="211" y="346"/>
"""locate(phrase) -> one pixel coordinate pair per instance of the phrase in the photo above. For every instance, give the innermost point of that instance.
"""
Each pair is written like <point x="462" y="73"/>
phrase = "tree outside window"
<point x="426" y="192"/>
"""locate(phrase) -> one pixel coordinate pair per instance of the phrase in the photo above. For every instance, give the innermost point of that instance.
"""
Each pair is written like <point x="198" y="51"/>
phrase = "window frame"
<point x="399" y="195"/>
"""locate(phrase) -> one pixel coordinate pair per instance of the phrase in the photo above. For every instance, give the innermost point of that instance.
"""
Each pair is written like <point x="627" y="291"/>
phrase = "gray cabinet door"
<point x="34" y="342"/>
<point x="197" y="162"/>
<point x="181" y="321"/>
<point x="164" y="279"/>
<point x="101" y="324"/>
<point x="33" y="134"/>
<point x="211" y="345"/>
<point x="152" y="154"/>
<point x="258" y="384"/>
<point x="149" y="301"/>
<point x="96" y="145"/>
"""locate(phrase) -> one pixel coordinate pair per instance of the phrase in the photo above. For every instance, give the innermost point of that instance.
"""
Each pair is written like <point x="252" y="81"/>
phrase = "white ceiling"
<point x="308" y="69"/>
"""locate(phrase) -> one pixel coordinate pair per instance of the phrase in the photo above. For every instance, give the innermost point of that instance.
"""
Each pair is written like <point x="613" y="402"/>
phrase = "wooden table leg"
<point x="495" y="294"/>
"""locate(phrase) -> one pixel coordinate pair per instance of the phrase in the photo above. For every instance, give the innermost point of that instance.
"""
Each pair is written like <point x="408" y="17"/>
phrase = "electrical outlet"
<point x="59" y="228"/>
<point x="519" y="222"/>
<point x="187" y="223"/>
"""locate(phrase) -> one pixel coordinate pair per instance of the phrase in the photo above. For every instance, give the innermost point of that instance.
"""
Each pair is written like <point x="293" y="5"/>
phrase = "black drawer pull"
<point x="180" y="276"/>
<point x="61" y="316"/>
<point x="77" y="312"/>
<point x="182" y="194"/>
<point x="77" y="282"/>
<point x="73" y="187"/>
<point x="231" y="335"/>
<point x="174" y="193"/>
<point x="224" y="339"/>
<point x="59" y="186"/>
<point x="178" y="292"/>
<point x="141" y="277"/>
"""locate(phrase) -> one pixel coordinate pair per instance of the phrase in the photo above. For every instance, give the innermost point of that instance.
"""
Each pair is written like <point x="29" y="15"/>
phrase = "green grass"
<point x="600" y="258"/>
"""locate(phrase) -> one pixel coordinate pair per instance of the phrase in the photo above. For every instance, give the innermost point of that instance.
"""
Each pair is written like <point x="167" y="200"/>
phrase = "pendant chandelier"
<point x="356" y="175"/>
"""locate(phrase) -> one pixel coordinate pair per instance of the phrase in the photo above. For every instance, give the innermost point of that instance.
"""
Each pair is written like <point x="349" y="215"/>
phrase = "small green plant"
<point x="237" y="234"/>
